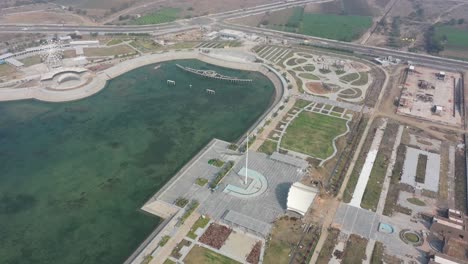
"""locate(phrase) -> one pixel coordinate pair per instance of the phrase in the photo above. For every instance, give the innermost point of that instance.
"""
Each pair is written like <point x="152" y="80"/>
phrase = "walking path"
<point x="321" y="100"/>
<point x="176" y="236"/>
<point x="451" y="177"/>
<point x="367" y="167"/>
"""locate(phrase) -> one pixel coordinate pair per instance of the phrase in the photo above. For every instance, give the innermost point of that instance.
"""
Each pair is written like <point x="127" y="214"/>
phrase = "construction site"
<point x="433" y="95"/>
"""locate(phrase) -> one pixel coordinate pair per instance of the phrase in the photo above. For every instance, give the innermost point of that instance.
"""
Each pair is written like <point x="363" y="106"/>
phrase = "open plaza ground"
<point x="423" y="90"/>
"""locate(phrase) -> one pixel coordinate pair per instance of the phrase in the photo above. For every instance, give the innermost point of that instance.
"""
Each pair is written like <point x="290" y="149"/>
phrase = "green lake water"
<point x="74" y="175"/>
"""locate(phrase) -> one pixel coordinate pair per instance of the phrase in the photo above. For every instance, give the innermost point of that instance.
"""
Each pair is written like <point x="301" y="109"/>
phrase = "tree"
<point x="461" y="21"/>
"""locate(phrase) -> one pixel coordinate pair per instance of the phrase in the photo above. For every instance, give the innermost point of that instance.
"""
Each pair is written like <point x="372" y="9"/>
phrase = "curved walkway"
<point x="99" y="81"/>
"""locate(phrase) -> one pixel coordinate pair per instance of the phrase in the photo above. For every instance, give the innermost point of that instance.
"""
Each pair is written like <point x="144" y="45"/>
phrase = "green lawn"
<point x="421" y="168"/>
<point x="309" y="67"/>
<point x="145" y="45"/>
<point x="203" y="255"/>
<point x="371" y="195"/>
<point x="200" y="223"/>
<point x="327" y="248"/>
<point x="114" y="42"/>
<point x="216" y="162"/>
<point x="201" y="181"/>
<point x="313" y="134"/>
<point x="309" y="76"/>
<point x="110" y="51"/>
<point x="31" y="60"/>
<point x="377" y="253"/>
<point x="344" y="28"/>
<point x="301" y="103"/>
<point x="455" y="37"/>
<point x="168" y="261"/>
<point x="349" y="77"/>
<point x="268" y="147"/>
<point x="363" y="79"/>
<point x="161" y="16"/>
<point x="416" y="201"/>
<point x="277" y="252"/>
<point x="355" y="250"/>
<point x="338" y="27"/>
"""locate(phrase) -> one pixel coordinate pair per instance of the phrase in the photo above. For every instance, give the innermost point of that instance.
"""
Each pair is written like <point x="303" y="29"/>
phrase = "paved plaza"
<point x="431" y="181"/>
<point x="253" y="213"/>
<point x="353" y="220"/>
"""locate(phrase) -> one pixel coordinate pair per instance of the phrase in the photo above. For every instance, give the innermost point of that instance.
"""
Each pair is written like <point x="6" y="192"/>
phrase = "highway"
<point x="293" y="38"/>
<point x="220" y="20"/>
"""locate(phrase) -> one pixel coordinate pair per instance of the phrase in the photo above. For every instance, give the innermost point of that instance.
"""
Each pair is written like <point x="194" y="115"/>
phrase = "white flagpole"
<point x="246" y="160"/>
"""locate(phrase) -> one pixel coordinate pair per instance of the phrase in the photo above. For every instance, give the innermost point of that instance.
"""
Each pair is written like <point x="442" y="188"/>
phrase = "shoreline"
<point x="99" y="80"/>
<point x="147" y="245"/>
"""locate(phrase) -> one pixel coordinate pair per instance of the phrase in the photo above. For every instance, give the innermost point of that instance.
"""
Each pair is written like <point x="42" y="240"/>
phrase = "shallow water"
<point x="73" y="175"/>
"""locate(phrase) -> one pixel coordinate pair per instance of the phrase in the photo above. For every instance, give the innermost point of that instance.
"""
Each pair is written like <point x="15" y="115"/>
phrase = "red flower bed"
<point x="215" y="235"/>
<point x="254" y="255"/>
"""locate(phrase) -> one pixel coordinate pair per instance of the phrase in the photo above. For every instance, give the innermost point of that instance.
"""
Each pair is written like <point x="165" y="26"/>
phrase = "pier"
<point x="214" y="75"/>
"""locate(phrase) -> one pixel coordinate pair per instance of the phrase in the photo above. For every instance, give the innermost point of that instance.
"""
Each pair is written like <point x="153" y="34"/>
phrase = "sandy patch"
<point x="41" y="17"/>
<point x="316" y="88"/>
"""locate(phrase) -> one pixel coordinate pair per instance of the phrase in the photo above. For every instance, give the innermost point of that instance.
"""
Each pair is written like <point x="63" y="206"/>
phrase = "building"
<point x="84" y="43"/>
<point x="452" y="230"/>
<point x="300" y="197"/>
<point x="231" y="34"/>
<point x="14" y="62"/>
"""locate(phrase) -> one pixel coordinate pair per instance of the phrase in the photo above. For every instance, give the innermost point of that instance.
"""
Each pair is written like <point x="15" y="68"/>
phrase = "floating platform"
<point x="214" y="75"/>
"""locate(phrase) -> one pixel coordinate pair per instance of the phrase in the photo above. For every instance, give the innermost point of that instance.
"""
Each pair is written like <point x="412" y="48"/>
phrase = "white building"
<point x="231" y="34"/>
<point x="84" y="43"/>
<point x="300" y="197"/>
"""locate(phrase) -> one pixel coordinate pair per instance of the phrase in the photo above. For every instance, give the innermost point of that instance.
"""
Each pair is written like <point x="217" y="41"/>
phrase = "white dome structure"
<point x="300" y="197"/>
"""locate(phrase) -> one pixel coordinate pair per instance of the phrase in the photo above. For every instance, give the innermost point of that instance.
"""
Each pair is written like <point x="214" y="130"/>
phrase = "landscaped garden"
<point x="313" y="134"/>
<point x="203" y="255"/>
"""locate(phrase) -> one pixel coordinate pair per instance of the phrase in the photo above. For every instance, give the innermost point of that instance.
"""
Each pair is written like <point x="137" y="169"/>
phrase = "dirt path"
<point x="364" y="38"/>
<point x="446" y="12"/>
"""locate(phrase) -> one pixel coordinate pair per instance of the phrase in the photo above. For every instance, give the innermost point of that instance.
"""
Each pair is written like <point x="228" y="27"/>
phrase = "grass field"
<point x="327" y="249"/>
<point x="344" y="28"/>
<point x="455" y="37"/>
<point x="161" y="16"/>
<point x="268" y="147"/>
<point x="287" y="233"/>
<point x="331" y="26"/>
<point x="145" y="45"/>
<point x="363" y="79"/>
<point x="111" y="51"/>
<point x="377" y="253"/>
<point x="301" y="103"/>
<point x="355" y="250"/>
<point x="349" y="77"/>
<point x="421" y="168"/>
<point x="114" y="42"/>
<point x="416" y="201"/>
<point x="6" y="69"/>
<point x="309" y="76"/>
<point x="313" y="134"/>
<point x="200" y="223"/>
<point x="203" y="255"/>
<point x="32" y="60"/>
<point x="371" y="195"/>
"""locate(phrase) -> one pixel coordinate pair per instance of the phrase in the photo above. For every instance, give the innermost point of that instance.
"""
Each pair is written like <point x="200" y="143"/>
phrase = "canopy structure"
<point x="300" y="197"/>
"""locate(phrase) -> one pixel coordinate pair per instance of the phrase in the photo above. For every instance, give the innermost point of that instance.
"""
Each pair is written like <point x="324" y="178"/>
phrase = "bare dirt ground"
<point x="416" y="17"/>
<point x="44" y="17"/>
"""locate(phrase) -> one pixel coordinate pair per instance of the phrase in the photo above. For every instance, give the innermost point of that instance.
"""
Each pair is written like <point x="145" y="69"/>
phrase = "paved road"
<point x="219" y="20"/>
